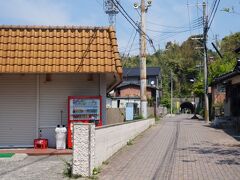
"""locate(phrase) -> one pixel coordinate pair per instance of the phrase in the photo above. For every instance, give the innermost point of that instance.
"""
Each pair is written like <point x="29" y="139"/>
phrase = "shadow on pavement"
<point x="225" y="155"/>
<point x="232" y="132"/>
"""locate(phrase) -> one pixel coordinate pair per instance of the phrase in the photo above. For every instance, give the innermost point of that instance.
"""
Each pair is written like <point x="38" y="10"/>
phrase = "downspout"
<point x="37" y="104"/>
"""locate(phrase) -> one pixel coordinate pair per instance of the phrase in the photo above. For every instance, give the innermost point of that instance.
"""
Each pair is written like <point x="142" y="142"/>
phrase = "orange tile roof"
<point x="54" y="49"/>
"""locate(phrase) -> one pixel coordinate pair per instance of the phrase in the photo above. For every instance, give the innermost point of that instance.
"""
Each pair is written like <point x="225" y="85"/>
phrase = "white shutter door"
<point x="17" y="110"/>
<point x="54" y="99"/>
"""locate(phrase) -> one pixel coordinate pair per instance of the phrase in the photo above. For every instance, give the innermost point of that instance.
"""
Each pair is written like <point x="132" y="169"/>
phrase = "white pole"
<point x="205" y="29"/>
<point x="143" y="88"/>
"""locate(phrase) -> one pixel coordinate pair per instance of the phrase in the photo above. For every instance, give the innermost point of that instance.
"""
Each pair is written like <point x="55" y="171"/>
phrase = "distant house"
<point x="129" y="89"/>
<point x="227" y="88"/>
<point x="41" y="66"/>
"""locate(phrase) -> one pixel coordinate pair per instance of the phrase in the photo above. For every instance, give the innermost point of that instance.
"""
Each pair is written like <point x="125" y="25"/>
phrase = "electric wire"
<point x="132" y="43"/>
<point x="214" y="13"/>
<point x="130" y="48"/>
<point x="128" y="42"/>
<point x="166" y="36"/>
<point x="132" y="22"/>
<point x="174" y="27"/>
<point x="198" y="15"/>
<point x="99" y="3"/>
<point x="195" y="24"/>
<point x="212" y="8"/>
<point x="189" y="19"/>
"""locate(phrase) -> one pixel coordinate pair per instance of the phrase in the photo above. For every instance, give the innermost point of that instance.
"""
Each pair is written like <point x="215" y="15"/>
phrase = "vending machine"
<point x="85" y="109"/>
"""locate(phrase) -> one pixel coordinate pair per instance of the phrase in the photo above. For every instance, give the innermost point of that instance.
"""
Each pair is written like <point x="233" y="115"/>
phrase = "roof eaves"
<point x="225" y="76"/>
<point x="54" y="27"/>
<point x="237" y="50"/>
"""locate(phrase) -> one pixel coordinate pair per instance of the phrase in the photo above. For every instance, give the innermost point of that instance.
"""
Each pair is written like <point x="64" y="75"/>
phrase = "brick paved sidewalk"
<point x="177" y="148"/>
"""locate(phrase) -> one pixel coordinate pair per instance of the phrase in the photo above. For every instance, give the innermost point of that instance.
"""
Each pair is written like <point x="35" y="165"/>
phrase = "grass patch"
<point x="138" y="117"/>
<point x="6" y="155"/>
<point x="157" y="119"/>
<point x="105" y="162"/>
<point x="130" y="142"/>
<point x="96" y="171"/>
<point x="67" y="172"/>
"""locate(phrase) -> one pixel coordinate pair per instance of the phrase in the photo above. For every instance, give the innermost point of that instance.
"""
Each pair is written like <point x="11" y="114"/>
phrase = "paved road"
<point x="177" y="148"/>
<point x="34" y="168"/>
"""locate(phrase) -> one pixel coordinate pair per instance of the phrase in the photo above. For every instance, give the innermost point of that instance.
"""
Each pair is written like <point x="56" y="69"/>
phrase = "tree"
<point x="227" y="63"/>
<point x="183" y="59"/>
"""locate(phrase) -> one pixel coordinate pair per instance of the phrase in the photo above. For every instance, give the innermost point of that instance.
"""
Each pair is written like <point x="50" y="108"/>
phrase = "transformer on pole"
<point x="111" y="10"/>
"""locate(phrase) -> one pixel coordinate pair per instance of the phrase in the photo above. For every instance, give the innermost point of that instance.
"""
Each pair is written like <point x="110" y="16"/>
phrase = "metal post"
<point x="205" y="28"/>
<point x="156" y="97"/>
<point x="143" y="88"/>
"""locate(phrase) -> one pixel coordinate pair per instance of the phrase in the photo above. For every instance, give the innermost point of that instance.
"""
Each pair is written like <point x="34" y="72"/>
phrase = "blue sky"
<point x="165" y="16"/>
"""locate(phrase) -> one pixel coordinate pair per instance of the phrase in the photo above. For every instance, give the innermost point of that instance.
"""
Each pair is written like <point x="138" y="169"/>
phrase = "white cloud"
<point x="37" y="12"/>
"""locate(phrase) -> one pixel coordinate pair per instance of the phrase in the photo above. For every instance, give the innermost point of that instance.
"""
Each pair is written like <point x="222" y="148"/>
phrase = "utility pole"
<point x="171" y="92"/>
<point x="143" y="76"/>
<point x="143" y="73"/>
<point x="205" y="30"/>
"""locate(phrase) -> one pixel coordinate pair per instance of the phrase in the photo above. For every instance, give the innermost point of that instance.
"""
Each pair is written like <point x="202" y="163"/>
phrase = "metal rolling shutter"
<point x="54" y="98"/>
<point x="17" y="110"/>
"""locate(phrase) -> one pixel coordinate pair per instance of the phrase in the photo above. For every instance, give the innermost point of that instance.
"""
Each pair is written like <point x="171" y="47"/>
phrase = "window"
<point x="221" y="88"/>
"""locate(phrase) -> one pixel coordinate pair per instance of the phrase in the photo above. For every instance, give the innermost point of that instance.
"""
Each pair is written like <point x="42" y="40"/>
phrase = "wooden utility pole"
<point x="143" y="76"/>
<point x="171" y="91"/>
<point x="205" y="30"/>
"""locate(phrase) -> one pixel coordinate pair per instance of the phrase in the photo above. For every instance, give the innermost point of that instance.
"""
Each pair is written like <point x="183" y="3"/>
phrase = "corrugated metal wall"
<point x="17" y="110"/>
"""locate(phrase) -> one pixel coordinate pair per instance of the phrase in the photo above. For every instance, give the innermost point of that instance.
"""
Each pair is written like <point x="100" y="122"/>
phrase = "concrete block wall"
<point x="83" y="149"/>
<point x="110" y="139"/>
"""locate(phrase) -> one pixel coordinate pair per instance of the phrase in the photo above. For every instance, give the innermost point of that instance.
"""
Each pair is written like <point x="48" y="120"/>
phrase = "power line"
<point x="178" y="32"/>
<point x="128" y="42"/>
<point x="198" y="14"/>
<point x="167" y="26"/>
<point x="99" y="3"/>
<point x="124" y="13"/>
<point x="169" y="32"/>
<point x="189" y="19"/>
<point x="214" y="13"/>
<point x="167" y="36"/>
<point x="212" y="8"/>
<point x="132" y="22"/>
<point x="132" y="43"/>
<point x="195" y="23"/>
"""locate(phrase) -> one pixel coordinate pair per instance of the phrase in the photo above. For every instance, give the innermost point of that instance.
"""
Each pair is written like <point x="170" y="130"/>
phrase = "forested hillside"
<point x="186" y="62"/>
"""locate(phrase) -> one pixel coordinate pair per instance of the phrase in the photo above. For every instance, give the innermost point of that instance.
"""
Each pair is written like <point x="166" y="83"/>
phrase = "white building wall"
<point x="54" y="99"/>
<point x="30" y="104"/>
<point x="17" y="110"/>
